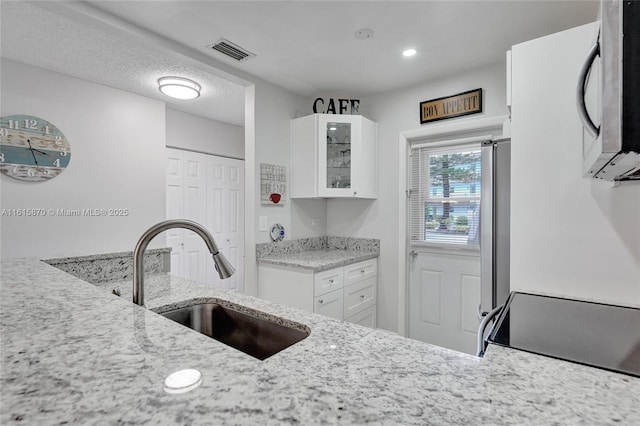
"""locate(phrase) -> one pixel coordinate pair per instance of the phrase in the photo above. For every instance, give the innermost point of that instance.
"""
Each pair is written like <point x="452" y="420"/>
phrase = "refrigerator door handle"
<point x="486" y="228"/>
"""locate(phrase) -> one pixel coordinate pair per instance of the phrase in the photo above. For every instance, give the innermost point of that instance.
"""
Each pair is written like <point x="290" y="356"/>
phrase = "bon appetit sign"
<point x="464" y="103"/>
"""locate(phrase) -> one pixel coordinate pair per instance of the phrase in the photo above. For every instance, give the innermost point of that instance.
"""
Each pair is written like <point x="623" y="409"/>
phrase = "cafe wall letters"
<point x="336" y="106"/>
<point x="464" y="103"/>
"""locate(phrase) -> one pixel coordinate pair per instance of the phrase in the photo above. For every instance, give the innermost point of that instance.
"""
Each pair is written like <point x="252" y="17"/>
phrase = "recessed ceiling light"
<point x="179" y="88"/>
<point x="409" y="52"/>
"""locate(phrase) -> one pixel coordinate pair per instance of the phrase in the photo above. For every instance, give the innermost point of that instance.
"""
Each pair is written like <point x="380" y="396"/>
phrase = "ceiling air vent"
<point x="232" y="50"/>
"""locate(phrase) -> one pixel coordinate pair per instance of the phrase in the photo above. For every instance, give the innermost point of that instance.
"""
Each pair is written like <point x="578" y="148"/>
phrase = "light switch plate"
<point x="263" y="223"/>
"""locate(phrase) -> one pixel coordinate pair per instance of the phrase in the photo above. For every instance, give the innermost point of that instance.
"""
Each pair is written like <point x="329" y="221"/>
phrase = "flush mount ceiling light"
<point x="179" y="88"/>
<point x="409" y="52"/>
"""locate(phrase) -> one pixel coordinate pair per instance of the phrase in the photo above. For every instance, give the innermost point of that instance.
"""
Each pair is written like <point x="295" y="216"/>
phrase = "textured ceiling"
<point x="37" y="37"/>
<point x="308" y="47"/>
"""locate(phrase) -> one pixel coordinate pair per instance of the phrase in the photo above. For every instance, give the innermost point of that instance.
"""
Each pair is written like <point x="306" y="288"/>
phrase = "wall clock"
<point x="32" y="149"/>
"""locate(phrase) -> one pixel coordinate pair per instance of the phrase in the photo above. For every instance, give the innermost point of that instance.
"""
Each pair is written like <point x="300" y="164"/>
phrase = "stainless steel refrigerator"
<point x="494" y="224"/>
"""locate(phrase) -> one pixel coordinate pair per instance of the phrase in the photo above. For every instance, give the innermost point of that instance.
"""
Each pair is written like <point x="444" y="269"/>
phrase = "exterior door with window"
<point x="444" y="265"/>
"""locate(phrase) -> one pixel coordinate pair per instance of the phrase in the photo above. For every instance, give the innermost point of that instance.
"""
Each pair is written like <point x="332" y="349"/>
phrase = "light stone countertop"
<point x="74" y="353"/>
<point x="318" y="260"/>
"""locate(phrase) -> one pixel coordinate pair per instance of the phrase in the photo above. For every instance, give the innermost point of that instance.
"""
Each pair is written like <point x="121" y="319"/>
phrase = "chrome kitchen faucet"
<point x="224" y="268"/>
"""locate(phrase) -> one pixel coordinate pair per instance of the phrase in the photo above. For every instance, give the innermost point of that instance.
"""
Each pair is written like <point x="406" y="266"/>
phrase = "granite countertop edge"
<point x="102" y="256"/>
<point x="318" y="260"/>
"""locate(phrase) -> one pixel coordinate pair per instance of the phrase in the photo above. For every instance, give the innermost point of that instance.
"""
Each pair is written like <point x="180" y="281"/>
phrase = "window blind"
<point x="445" y="190"/>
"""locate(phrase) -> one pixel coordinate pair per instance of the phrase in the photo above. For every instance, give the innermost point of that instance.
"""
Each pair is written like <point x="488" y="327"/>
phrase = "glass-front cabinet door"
<point x="333" y="156"/>
<point x="338" y="135"/>
<point x="338" y="155"/>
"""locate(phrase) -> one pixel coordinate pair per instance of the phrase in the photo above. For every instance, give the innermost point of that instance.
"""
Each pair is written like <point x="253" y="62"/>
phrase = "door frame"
<point x="495" y="126"/>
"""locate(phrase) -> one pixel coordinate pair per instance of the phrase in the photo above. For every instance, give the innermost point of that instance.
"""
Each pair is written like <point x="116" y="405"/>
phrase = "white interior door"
<point x="175" y="209"/>
<point x="225" y="219"/>
<point x="208" y="190"/>
<point x="444" y="294"/>
<point x="197" y="257"/>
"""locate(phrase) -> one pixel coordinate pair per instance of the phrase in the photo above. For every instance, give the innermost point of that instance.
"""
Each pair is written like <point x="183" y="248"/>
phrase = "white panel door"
<point x="444" y="294"/>
<point x="208" y="190"/>
<point x="225" y="216"/>
<point x="175" y="210"/>
<point x="196" y="254"/>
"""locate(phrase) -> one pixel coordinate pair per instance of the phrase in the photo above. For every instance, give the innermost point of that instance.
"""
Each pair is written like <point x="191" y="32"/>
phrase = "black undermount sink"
<point x="254" y="336"/>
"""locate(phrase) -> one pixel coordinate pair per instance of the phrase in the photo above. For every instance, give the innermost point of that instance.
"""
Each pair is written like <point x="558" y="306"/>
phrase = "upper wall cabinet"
<point x="334" y="156"/>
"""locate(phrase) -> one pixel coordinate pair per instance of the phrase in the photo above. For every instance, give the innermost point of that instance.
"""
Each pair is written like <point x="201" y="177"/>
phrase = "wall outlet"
<point x="263" y="223"/>
<point x="315" y="222"/>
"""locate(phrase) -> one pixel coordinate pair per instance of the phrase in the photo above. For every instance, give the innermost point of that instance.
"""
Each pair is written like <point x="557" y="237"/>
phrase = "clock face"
<point x="32" y="149"/>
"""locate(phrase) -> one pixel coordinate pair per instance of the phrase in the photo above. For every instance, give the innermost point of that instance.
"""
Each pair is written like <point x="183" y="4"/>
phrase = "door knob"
<point x="413" y="254"/>
<point x="481" y="314"/>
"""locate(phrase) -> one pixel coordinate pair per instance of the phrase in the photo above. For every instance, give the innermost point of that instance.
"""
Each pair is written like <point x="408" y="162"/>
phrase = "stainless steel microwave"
<point x="608" y="95"/>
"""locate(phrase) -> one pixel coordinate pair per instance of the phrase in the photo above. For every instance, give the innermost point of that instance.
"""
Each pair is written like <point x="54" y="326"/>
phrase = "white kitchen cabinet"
<point x="359" y="296"/>
<point x="326" y="281"/>
<point x="333" y="156"/>
<point x="347" y="292"/>
<point x="330" y="304"/>
<point x="365" y="318"/>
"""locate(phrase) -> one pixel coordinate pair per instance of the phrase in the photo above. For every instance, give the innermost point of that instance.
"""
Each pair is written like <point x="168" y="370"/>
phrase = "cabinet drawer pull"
<point x="321" y="301"/>
<point x="362" y="271"/>
<point x="362" y="296"/>
<point x="330" y="281"/>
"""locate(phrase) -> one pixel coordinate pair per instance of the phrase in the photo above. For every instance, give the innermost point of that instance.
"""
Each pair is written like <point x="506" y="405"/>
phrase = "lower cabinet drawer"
<point x="359" y="296"/>
<point x="326" y="281"/>
<point x="366" y="317"/>
<point x="330" y="304"/>
<point x="360" y="271"/>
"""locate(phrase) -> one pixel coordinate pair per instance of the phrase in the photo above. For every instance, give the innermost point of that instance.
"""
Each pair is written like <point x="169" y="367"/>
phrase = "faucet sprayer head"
<point x="224" y="268"/>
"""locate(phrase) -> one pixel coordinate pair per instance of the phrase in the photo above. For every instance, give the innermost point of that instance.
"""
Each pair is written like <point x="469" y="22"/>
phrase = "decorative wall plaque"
<point x="464" y="103"/>
<point x="273" y="184"/>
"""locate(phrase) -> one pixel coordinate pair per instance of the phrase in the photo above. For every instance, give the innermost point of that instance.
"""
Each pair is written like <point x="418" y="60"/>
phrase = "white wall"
<point x="275" y="107"/>
<point x="570" y="236"/>
<point x="268" y="113"/>
<point x="117" y="161"/>
<point x="188" y="131"/>
<point x="396" y="112"/>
